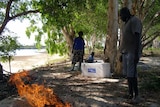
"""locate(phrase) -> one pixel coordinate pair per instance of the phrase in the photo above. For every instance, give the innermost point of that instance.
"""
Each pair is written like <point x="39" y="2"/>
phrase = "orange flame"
<point x="36" y="95"/>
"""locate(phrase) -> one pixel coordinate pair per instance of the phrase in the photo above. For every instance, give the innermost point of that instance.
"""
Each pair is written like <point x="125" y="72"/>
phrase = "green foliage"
<point x="56" y="12"/>
<point x="151" y="82"/>
<point x="99" y="46"/>
<point x="93" y="19"/>
<point x="152" y="11"/>
<point x="55" y="43"/>
<point x="90" y="16"/>
<point x="2" y="10"/>
<point x="85" y="15"/>
<point x="17" y="6"/>
<point x="154" y="52"/>
<point x="8" y="46"/>
<point x="152" y="16"/>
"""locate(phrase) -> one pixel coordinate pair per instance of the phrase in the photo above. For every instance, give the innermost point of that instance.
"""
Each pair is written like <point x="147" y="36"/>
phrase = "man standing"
<point x="78" y="50"/>
<point x="131" y="50"/>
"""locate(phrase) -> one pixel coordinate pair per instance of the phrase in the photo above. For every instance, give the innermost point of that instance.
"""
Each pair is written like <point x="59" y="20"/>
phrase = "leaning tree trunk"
<point x="111" y="40"/>
<point x="69" y="36"/>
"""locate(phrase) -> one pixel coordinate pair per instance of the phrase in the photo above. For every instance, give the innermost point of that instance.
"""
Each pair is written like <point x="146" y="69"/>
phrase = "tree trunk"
<point x="69" y="36"/>
<point x="111" y="40"/>
<point x="9" y="58"/>
<point x="91" y="43"/>
<point x="127" y="3"/>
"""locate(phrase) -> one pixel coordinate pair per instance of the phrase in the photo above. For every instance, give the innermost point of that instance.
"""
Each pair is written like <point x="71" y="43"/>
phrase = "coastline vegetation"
<point x="30" y="47"/>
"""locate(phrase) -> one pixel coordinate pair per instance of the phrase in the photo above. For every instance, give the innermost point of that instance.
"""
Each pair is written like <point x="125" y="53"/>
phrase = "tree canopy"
<point x="86" y="15"/>
<point x="151" y="21"/>
<point x="8" y="46"/>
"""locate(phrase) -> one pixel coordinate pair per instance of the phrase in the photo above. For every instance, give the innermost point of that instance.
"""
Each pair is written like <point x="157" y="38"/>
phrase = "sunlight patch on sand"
<point x="29" y="62"/>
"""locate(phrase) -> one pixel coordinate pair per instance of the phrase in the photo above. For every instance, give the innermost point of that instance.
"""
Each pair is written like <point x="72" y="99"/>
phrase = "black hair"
<point x="80" y="33"/>
<point x="125" y="11"/>
<point x="92" y="53"/>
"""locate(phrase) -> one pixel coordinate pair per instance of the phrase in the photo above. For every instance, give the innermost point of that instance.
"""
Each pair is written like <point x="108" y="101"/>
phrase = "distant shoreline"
<point x="29" y="52"/>
<point x="28" y="62"/>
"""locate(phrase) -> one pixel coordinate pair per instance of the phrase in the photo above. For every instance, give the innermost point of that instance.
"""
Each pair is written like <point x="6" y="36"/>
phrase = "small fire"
<point x="36" y="95"/>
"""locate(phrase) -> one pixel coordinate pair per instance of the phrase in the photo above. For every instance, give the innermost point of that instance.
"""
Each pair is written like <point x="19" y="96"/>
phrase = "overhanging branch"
<point x="8" y="18"/>
<point x="146" y="13"/>
<point x="8" y="8"/>
<point x="24" y="13"/>
<point x="150" y="36"/>
<point x="151" y="39"/>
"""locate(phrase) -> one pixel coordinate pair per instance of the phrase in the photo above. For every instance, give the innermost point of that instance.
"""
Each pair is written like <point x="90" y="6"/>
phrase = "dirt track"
<point x="83" y="91"/>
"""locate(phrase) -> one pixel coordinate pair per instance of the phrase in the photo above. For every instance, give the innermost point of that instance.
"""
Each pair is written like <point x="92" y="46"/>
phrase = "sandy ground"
<point x="32" y="61"/>
<point x="83" y="91"/>
<point x="28" y="62"/>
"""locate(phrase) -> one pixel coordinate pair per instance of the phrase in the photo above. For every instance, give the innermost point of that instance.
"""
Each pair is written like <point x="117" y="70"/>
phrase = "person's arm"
<point x="83" y="46"/>
<point x="73" y="44"/>
<point x="137" y="29"/>
<point x="138" y="47"/>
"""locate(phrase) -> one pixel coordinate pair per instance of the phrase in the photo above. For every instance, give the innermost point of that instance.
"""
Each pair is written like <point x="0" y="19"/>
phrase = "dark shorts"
<point x="129" y="66"/>
<point x="77" y="56"/>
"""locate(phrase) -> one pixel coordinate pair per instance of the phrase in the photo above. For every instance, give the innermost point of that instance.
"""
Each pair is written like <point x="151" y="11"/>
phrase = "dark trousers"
<point x="130" y="70"/>
<point x="133" y="86"/>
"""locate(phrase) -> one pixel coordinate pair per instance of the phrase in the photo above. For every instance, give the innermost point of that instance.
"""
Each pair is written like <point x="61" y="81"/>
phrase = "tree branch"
<point x="24" y="13"/>
<point x="8" y="18"/>
<point x="148" y="26"/>
<point x="149" y="36"/>
<point x="141" y="14"/>
<point x="147" y="9"/>
<point x="8" y="8"/>
<point x="151" y="39"/>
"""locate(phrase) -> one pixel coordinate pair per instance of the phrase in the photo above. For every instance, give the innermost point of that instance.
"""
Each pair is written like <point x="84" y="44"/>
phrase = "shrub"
<point x="151" y="83"/>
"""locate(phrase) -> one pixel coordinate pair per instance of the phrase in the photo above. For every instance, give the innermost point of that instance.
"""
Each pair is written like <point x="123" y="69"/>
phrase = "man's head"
<point x="80" y="33"/>
<point x="125" y="14"/>
<point x="92" y="53"/>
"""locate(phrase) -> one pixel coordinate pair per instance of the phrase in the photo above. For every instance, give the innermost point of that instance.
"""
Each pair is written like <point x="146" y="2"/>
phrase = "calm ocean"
<point x="27" y="52"/>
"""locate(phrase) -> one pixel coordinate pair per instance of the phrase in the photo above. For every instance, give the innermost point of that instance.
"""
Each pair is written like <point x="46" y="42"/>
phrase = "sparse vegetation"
<point x="150" y="81"/>
<point x="151" y="52"/>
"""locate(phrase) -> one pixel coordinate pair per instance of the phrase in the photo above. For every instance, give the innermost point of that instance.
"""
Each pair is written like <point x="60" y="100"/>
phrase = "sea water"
<point x="28" y="52"/>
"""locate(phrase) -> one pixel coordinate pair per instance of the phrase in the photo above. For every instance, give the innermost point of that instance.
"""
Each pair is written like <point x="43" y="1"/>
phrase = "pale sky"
<point x="19" y="28"/>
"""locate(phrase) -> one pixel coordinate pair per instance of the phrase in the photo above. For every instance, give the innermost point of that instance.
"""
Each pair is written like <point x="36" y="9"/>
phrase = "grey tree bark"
<point x="111" y="39"/>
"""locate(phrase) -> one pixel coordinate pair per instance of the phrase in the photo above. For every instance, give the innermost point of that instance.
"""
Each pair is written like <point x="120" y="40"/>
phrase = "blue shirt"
<point x="91" y="58"/>
<point x="78" y="43"/>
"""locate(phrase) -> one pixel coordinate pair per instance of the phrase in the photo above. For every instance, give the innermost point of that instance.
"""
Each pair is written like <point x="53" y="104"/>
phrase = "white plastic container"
<point x="97" y="69"/>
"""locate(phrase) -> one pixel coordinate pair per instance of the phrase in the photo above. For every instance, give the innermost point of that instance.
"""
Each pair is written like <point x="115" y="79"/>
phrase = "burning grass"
<point x="36" y="95"/>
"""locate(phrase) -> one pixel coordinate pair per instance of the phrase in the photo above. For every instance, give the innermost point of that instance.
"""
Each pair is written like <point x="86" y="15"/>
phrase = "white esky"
<point x="19" y="29"/>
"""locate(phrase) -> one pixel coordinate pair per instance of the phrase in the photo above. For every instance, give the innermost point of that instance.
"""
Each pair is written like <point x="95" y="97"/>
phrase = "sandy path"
<point x="28" y="62"/>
